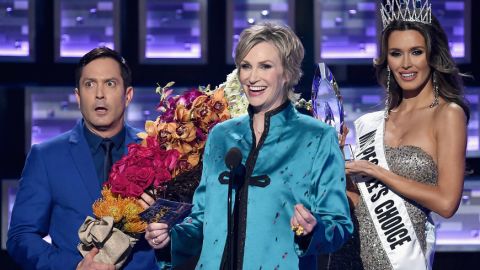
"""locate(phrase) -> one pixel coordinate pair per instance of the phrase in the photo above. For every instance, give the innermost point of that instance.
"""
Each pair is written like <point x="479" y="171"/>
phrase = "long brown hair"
<point x="449" y="78"/>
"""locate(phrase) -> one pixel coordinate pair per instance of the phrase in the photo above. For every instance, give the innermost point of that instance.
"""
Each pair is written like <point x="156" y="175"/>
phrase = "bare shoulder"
<point x="449" y="113"/>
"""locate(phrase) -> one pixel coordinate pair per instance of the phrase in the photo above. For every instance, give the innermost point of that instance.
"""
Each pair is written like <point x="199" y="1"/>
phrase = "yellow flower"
<point x="137" y="226"/>
<point x="125" y="211"/>
<point x="108" y="207"/>
<point x="132" y="209"/>
<point x="107" y="193"/>
<point x="151" y="128"/>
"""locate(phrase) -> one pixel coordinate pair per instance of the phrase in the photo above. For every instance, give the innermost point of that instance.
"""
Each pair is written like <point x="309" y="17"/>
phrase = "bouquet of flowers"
<point x="166" y="164"/>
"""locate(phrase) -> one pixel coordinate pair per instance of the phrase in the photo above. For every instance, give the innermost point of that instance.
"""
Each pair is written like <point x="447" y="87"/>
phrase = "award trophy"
<point x="327" y="103"/>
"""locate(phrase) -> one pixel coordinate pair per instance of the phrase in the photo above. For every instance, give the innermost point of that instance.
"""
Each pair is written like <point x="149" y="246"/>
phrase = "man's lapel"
<point x="82" y="158"/>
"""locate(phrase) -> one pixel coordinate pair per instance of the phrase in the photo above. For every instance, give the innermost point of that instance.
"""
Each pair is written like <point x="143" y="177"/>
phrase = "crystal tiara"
<point x="406" y="10"/>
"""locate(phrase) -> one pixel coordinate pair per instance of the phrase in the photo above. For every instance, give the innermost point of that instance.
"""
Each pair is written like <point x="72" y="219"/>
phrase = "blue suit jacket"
<point x="58" y="186"/>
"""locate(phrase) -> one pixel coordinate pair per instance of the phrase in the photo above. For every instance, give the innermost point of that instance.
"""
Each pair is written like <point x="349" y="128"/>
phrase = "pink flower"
<point x="142" y="167"/>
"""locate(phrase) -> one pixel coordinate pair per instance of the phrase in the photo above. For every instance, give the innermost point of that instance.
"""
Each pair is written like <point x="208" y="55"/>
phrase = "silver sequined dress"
<point x="364" y="250"/>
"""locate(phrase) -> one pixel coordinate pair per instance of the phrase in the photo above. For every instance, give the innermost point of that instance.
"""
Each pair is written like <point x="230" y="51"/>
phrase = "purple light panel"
<point x="451" y="14"/>
<point x="462" y="231"/>
<point x="85" y="25"/>
<point x="250" y="12"/>
<point x="9" y="191"/>
<point x="14" y="28"/>
<point x="11" y="195"/>
<point x="348" y="28"/>
<point x="473" y="135"/>
<point x="173" y="29"/>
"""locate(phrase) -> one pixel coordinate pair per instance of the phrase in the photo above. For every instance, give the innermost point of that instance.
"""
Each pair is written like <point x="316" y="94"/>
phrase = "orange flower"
<point x="182" y="114"/>
<point x="108" y="207"/>
<point x="107" y="193"/>
<point x="193" y="159"/>
<point x="209" y="110"/>
<point x="182" y="147"/>
<point x="199" y="101"/>
<point x="177" y="136"/>
<point x="201" y="111"/>
<point x="219" y="105"/>
<point x="151" y="130"/>
<point x="197" y="146"/>
<point x="185" y="132"/>
<point x="186" y="163"/>
<point x="166" y="131"/>
<point x="125" y="211"/>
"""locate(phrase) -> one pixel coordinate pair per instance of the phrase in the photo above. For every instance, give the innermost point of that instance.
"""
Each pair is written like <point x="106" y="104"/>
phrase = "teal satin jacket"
<point x="299" y="160"/>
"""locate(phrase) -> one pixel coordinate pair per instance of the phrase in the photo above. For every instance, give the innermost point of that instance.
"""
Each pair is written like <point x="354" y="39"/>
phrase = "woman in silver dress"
<point x="410" y="158"/>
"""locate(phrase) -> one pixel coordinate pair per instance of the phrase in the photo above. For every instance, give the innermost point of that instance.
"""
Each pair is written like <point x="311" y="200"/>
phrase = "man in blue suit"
<point x="63" y="176"/>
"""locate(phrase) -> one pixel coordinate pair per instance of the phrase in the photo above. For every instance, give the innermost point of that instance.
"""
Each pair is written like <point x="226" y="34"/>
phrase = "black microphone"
<point x="233" y="160"/>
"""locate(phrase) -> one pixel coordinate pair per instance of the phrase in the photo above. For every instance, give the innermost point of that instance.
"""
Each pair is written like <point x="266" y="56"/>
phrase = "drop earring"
<point x="435" y="91"/>
<point x="388" y="98"/>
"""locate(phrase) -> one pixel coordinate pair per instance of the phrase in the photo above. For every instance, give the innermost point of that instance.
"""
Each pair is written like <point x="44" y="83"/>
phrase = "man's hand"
<point x="88" y="264"/>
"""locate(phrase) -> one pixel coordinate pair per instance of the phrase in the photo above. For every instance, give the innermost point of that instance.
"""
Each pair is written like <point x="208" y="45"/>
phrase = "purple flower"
<point x="189" y="96"/>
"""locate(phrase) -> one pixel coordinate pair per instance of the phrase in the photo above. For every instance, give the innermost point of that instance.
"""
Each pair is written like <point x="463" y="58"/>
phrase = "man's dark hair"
<point x="104" y="52"/>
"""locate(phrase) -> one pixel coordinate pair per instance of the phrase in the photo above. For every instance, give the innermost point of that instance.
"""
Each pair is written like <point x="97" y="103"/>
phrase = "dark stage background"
<point x="44" y="70"/>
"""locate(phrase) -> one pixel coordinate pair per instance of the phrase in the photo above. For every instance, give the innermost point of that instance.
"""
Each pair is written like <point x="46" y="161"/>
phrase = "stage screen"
<point x="9" y="191"/>
<point x="83" y="25"/>
<point x="17" y="28"/>
<point x="173" y="31"/>
<point x="243" y="13"/>
<point x="346" y="31"/>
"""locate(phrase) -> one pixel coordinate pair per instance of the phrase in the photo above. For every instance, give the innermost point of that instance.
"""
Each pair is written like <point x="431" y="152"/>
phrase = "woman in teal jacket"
<point x="294" y="172"/>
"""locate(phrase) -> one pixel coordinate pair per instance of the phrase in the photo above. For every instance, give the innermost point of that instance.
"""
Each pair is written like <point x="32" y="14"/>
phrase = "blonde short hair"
<point x="288" y="44"/>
